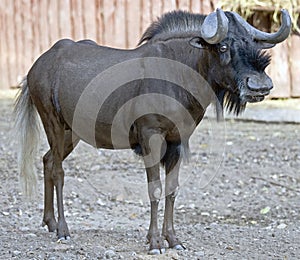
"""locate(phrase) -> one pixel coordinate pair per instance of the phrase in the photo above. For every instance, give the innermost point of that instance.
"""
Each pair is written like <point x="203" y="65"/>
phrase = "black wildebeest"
<point x="78" y="89"/>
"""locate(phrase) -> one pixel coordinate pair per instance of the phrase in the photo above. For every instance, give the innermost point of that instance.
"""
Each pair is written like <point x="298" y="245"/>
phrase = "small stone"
<point x="95" y="168"/>
<point x="192" y="206"/>
<point x="205" y="214"/>
<point x="16" y="253"/>
<point x="31" y="235"/>
<point x="281" y="226"/>
<point x="172" y="255"/>
<point x="229" y="248"/>
<point x="265" y="210"/>
<point x="179" y="247"/>
<point x="24" y="229"/>
<point x="213" y="225"/>
<point x="156" y="251"/>
<point x="5" y="213"/>
<point x="200" y="254"/>
<point x="101" y="202"/>
<point x="20" y="212"/>
<point x="109" y="254"/>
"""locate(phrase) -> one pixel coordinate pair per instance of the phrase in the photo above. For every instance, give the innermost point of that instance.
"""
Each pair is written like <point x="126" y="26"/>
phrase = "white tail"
<point x="27" y="133"/>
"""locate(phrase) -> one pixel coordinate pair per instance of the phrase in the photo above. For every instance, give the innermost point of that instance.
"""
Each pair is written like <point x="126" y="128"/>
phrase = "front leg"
<point x="168" y="227"/>
<point x="172" y="164"/>
<point x="157" y="245"/>
<point x="151" y="143"/>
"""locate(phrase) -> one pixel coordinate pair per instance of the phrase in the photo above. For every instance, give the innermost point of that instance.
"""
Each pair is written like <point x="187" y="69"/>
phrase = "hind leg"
<point x="70" y="141"/>
<point x="48" y="218"/>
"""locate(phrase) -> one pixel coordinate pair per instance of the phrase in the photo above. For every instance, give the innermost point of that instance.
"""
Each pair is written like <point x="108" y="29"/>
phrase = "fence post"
<point x="279" y="71"/>
<point x="294" y="55"/>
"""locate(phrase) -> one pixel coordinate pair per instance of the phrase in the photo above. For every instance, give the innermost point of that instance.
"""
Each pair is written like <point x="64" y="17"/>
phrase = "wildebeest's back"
<point x="62" y="73"/>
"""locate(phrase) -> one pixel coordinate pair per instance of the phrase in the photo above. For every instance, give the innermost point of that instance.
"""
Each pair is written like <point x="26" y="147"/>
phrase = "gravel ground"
<point x="239" y="198"/>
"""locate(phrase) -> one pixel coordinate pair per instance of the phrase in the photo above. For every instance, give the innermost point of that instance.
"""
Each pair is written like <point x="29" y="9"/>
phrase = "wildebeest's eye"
<point x="223" y="48"/>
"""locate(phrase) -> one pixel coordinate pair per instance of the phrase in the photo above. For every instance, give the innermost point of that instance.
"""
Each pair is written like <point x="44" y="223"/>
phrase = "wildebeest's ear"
<point x="197" y="42"/>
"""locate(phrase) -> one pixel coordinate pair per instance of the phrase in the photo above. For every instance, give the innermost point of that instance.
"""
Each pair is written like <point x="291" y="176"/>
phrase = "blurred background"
<point x="30" y="27"/>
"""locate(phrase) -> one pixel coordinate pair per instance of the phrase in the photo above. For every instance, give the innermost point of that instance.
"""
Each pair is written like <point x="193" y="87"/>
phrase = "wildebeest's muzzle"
<point x="255" y="87"/>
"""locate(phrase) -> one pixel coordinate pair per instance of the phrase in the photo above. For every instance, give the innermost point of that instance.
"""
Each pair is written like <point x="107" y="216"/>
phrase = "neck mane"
<point x="174" y="22"/>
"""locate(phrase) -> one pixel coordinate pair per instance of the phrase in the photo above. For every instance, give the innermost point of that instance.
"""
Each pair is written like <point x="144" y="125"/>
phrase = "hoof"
<point x="156" y="251"/>
<point x="51" y="224"/>
<point x="179" y="247"/>
<point x="63" y="238"/>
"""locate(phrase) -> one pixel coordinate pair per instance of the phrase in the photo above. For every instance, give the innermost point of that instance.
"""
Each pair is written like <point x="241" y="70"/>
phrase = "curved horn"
<point x="215" y="27"/>
<point x="272" y="38"/>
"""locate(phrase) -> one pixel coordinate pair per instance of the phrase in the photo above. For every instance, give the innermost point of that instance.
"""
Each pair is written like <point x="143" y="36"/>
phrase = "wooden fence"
<point x="30" y="27"/>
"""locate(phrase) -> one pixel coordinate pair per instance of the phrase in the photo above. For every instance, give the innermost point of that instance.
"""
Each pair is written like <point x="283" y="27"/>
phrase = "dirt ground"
<point x="249" y="210"/>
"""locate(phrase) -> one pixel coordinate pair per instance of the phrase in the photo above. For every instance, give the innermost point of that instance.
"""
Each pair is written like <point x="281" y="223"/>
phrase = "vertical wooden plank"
<point x="133" y="11"/>
<point x="214" y="4"/>
<point x="120" y="24"/>
<point x="2" y="67"/>
<point x="109" y="19"/>
<point x="36" y="47"/>
<point x="11" y="52"/>
<point x="8" y="27"/>
<point x="64" y="19"/>
<point x="53" y="21"/>
<point x="184" y="5"/>
<point x="294" y="54"/>
<point x="146" y="15"/>
<point x="27" y="34"/>
<point x="6" y="45"/>
<point x="76" y="19"/>
<point x="196" y="6"/>
<point x="73" y="18"/>
<point x="157" y="9"/>
<point x="4" y="82"/>
<point x="279" y="71"/>
<point x="89" y="20"/>
<point x="21" y="70"/>
<point x="169" y="5"/>
<point x="99" y="21"/>
<point x="206" y="7"/>
<point x="44" y="29"/>
<point x="3" y="72"/>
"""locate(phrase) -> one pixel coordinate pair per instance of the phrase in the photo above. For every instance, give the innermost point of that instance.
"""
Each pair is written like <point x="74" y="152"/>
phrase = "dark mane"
<point x="233" y="103"/>
<point x="230" y="101"/>
<point x="173" y="22"/>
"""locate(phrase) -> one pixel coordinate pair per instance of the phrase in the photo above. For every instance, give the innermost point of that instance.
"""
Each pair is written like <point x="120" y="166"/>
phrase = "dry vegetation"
<point x="248" y="7"/>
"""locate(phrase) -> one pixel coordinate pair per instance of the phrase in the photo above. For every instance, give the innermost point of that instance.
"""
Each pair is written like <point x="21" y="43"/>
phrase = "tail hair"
<point x="27" y="133"/>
